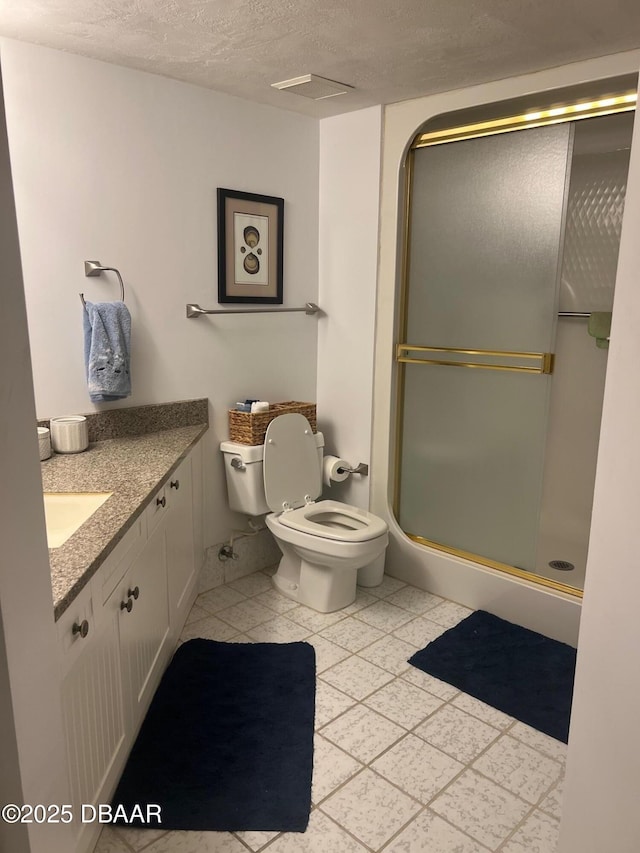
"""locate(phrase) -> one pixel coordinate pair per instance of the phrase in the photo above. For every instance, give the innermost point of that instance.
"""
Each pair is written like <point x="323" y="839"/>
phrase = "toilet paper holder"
<point x="361" y="468"/>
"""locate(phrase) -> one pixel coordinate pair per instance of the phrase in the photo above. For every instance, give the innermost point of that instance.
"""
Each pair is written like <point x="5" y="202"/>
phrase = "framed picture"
<point x="250" y="243"/>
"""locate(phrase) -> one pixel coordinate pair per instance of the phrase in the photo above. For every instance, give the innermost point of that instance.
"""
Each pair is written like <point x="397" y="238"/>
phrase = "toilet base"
<point x="326" y="590"/>
<point x="322" y="573"/>
<point x="318" y="587"/>
<point x="373" y="574"/>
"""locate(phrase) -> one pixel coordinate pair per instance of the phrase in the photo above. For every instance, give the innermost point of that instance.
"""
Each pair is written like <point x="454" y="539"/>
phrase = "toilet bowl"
<point x="322" y="571"/>
<point x="328" y="547"/>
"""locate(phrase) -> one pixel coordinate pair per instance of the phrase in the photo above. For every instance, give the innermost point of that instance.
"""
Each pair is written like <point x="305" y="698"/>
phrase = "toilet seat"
<point x="334" y="520"/>
<point x="292" y="482"/>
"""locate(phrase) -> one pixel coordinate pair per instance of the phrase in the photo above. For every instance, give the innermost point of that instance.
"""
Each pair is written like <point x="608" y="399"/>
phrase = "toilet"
<point x="327" y="546"/>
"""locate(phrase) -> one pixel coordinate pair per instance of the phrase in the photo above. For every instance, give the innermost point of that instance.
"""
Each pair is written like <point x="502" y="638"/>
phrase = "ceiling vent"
<point x="313" y="87"/>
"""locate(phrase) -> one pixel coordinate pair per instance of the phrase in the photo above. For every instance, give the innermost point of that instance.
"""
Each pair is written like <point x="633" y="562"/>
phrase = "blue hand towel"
<point x="107" y="340"/>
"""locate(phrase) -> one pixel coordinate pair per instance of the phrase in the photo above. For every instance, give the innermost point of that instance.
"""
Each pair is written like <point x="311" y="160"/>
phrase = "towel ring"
<point x="92" y="268"/>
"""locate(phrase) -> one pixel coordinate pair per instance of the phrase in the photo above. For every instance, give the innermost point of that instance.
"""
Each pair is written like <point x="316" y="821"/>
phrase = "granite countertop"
<point x="133" y="467"/>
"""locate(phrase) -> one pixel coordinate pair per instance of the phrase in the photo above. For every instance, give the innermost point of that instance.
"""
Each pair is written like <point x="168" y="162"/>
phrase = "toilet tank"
<point x="243" y="470"/>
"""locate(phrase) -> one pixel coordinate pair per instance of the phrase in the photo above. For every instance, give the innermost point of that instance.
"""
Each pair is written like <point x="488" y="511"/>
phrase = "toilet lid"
<point x="290" y="465"/>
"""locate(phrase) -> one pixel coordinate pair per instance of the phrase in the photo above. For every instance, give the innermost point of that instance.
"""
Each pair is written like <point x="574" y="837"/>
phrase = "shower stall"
<point x="508" y="248"/>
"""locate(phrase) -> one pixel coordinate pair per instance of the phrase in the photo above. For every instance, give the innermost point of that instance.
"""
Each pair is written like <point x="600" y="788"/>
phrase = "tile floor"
<point x="403" y="762"/>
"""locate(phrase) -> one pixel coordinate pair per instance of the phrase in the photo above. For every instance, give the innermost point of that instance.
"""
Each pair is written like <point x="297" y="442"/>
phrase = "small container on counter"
<point x="44" y="443"/>
<point x="70" y="434"/>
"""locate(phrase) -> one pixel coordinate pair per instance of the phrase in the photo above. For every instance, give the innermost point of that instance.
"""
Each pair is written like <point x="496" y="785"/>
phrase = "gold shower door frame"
<point x="497" y="360"/>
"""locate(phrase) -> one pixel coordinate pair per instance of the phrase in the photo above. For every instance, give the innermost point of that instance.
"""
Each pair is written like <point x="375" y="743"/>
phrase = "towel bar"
<point x="92" y="268"/>
<point x="194" y="310"/>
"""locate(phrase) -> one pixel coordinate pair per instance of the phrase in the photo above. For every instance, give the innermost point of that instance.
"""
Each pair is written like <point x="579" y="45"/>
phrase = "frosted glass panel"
<point x="486" y="232"/>
<point x="473" y="446"/>
<point x="484" y="241"/>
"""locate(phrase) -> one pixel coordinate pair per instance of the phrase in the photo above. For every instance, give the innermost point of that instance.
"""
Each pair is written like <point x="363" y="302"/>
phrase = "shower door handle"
<point x="487" y="359"/>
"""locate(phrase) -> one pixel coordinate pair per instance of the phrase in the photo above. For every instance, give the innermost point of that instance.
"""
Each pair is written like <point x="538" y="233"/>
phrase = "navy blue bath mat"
<point x="518" y="671"/>
<point x="227" y="743"/>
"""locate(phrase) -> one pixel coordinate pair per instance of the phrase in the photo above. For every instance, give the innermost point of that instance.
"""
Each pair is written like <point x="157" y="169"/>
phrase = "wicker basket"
<point x="248" y="428"/>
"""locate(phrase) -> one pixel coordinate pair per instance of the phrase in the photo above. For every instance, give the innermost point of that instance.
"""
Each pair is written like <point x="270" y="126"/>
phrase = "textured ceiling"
<point x="389" y="51"/>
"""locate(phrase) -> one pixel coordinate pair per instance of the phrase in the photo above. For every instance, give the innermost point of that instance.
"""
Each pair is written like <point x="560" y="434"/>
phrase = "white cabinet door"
<point x="93" y="713"/>
<point x="141" y="602"/>
<point x="181" y="566"/>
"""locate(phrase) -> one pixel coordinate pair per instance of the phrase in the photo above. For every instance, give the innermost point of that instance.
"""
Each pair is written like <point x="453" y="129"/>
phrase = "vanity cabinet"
<point x="117" y="636"/>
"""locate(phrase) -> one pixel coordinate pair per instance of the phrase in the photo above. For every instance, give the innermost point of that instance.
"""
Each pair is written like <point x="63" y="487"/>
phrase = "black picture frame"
<point x="250" y="248"/>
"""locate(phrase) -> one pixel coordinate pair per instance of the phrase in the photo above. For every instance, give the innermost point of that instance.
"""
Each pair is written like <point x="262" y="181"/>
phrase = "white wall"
<point x="349" y="201"/>
<point x="120" y="166"/>
<point x="31" y="731"/>
<point x="600" y="806"/>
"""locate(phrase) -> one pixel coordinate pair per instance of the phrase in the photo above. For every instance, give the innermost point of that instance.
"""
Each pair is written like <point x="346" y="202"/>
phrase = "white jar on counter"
<point x="44" y="443"/>
<point x="70" y="434"/>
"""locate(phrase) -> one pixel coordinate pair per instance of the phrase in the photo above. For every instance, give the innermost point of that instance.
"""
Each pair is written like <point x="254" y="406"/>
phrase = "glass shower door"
<point x="485" y="237"/>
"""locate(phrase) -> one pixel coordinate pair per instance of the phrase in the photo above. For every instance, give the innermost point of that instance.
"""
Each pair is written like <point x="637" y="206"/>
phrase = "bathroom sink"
<point x="65" y="512"/>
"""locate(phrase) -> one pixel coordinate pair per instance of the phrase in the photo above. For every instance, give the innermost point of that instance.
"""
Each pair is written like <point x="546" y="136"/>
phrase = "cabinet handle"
<point x="161" y="501"/>
<point x="135" y="592"/>
<point x="82" y="628"/>
<point x="174" y="484"/>
<point x="126" y="605"/>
